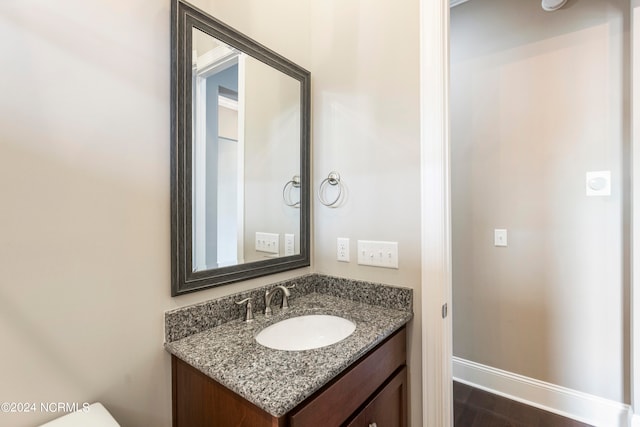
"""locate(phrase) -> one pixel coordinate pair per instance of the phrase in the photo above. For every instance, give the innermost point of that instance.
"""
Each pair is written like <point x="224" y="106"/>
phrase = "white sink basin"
<point x="305" y="332"/>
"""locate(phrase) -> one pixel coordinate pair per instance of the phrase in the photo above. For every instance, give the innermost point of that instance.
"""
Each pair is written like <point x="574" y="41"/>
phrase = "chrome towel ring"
<point x="286" y="191"/>
<point x="334" y="180"/>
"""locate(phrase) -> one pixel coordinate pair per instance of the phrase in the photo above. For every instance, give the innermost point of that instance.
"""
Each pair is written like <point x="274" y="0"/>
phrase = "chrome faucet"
<point x="285" y="298"/>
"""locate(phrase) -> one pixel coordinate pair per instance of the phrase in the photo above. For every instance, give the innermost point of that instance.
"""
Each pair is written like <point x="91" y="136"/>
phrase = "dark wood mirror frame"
<point x="185" y="17"/>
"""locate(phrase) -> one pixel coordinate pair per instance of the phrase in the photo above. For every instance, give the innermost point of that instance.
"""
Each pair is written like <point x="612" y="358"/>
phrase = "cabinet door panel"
<point x="333" y="405"/>
<point x="199" y="401"/>
<point x="388" y="408"/>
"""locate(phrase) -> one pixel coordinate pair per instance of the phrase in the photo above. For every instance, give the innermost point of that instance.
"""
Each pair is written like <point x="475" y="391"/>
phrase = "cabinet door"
<point x="388" y="408"/>
<point x="336" y="403"/>
<point x="199" y="401"/>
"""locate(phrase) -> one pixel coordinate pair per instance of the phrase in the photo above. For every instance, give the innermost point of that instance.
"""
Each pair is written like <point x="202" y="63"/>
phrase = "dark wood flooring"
<point x="473" y="407"/>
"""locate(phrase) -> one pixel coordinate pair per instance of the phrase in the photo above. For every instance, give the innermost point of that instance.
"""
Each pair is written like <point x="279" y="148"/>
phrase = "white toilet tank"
<point x="95" y="416"/>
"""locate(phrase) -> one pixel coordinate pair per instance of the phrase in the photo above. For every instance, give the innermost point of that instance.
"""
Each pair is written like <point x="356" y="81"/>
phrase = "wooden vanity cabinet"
<point x="372" y="390"/>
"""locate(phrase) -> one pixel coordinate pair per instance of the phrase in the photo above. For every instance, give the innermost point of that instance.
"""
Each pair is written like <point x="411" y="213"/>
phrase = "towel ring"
<point x="286" y="191"/>
<point x="333" y="179"/>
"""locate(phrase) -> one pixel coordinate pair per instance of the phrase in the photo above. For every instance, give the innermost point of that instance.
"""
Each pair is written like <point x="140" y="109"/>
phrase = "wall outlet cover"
<point x="343" y="249"/>
<point x="289" y="244"/>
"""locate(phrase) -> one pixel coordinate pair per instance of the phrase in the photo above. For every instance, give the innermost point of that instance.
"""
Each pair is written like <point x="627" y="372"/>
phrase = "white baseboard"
<point x="580" y="406"/>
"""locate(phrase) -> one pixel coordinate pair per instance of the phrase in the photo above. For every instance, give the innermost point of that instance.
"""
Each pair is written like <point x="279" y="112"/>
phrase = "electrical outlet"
<point x="378" y="254"/>
<point x="268" y="242"/>
<point x="289" y="244"/>
<point x="343" y="249"/>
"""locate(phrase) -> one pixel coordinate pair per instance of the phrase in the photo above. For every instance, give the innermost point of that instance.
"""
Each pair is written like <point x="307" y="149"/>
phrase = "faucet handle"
<point x="285" y="297"/>
<point x="249" y="316"/>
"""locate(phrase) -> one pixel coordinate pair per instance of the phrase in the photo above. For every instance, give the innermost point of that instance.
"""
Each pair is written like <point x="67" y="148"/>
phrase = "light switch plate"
<point x="378" y="254"/>
<point x="500" y="237"/>
<point x="267" y="242"/>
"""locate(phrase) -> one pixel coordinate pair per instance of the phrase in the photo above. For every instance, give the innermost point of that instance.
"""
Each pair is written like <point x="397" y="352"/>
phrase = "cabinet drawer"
<point x="336" y="402"/>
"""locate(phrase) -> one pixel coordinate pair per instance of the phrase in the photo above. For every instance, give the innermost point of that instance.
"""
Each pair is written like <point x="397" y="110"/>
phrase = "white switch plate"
<point x="598" y="183"/>
<point x="289" y="244"/>
<point x="500" y="237"/>
<point x="378" y="254"/>
<point x="267" y="242"/>
<point x="343" y="249"/>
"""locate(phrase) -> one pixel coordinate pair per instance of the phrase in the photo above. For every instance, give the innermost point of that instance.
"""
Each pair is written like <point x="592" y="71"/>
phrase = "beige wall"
<point x="365" y="71"/>
<point x="84" y="177"/>
<point x="537" y="100"/>
<point x="84" y="164"/>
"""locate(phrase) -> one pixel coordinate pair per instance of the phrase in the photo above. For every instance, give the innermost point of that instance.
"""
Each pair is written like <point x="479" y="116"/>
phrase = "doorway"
<point x="541" y="268"/>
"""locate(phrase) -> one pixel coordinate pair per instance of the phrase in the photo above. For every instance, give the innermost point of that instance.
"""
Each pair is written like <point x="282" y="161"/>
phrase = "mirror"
<point x="240" y="191"/>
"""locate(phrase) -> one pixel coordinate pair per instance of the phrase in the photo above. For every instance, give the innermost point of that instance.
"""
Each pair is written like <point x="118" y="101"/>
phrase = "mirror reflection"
<point x="240" y="156"/>
<point x="246" y="148"/>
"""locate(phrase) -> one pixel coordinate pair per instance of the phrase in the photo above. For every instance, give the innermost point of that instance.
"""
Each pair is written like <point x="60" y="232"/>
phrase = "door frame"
<point x="437" y="390"/>
<point x="634" y="309"/>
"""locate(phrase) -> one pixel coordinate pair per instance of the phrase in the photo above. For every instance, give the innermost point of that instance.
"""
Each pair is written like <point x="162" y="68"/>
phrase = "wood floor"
<point x="473" y="407"/>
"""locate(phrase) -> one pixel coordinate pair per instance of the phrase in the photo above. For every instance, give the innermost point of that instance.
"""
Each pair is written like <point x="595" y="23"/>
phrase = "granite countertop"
<point x="276" y="380"/>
